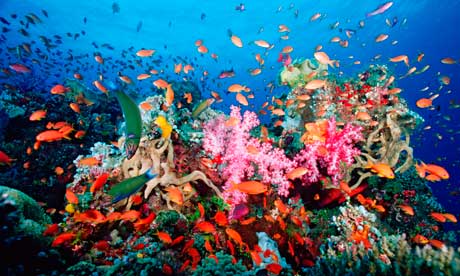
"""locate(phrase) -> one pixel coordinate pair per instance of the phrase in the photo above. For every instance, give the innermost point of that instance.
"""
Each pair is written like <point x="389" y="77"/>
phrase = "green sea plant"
<point x="133" y="120"/>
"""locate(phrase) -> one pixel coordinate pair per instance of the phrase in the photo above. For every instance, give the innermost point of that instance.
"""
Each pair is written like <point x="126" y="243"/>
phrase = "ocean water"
<point x="65" y="36"/>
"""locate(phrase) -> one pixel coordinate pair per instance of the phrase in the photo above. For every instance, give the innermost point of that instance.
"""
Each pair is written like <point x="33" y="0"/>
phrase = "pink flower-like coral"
<point x="337" y="150"/>
<point x="245" y="157"/>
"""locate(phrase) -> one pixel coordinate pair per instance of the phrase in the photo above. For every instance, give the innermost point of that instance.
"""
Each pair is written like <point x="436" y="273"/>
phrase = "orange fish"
<point x="71" y="197"/>
<point x="51" y="136"/>
<point x="202" y="49"/>
<point x="130" y="215"/>
<point x="436" y="170"/>
<point x="58" y="170"/>
<point x="450" y="217"/>
<point x="419" y="239"/>
<point x="438" y="217"/>
<point x="296" y="173"/>
<point x="175" y="195"/>
<point x="242" y="99"/>
<point x="99" y="182"/>
<point x="51" y="230"/>
<point x="236" y="88"/>
<point x="164" y="237"/>
<point x="99" y="86"/>
<point x="236" y="41"/>
<point x="59" y="89"/>
<point x="250" y="187"/>
<point x="234" y="235"/>
<point x="220" y="218"/>
<point x="79" y="134"/>
<point x="142" y="225"/>
<point x="315" y="84"/>
<point x="323" y="58"/>
<point x="382" y="170"/>
<point x="448" y="60"/>
<point x="90" y="216"/>
<point x="408" y="210"/>
<point x="99" y="59"/>
<point x="205" y="227"/>
<point x="89" y="161"/>
<point x="161" y="84"/>
<point x="62" y="238"/>
<point x="37" y="115"/>
<point x="145" y="53"/>
<point x="400" y="58"/>
<point x="75" y="107"/>
<point x="169" y="95"/>
<point x="143" y="76"/>
<point x="426" y="102"/>
<point x="437" y="244"/>
<point x="381" y="37"/>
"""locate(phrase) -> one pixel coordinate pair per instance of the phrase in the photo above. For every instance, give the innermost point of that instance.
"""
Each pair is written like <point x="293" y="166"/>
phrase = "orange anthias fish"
<point x="164" y="237"/>
<point x="236" y="41"/>
<point x="37" y="115"/>
<point x="408" y="210"/>
<point x="221" y="218"/>
<point x="175" y="195"/>
<point x="382" y="170"/>
<point x="99" y="182"/>
<point x="439" y="217"/>
<point x="419" y="239"/>
<point x="296" y="173"/>
<point x="205" y="227"/>
<point x="62" y="238"/>
<point x="235" y="236"/>
<point x="426" y="102"/>
<point x="145" y="53"/>
<point x="250" y="187"/>
<point x="59" y="89"/>
<point x="89" y="161"/>
<point x="51" y="136"/>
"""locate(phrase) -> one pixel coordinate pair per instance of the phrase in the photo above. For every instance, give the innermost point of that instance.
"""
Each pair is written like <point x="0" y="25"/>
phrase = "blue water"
<point x="172" y="27"/>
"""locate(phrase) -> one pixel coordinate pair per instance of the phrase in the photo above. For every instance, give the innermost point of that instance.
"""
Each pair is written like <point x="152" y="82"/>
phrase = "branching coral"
<point x="158" y="156"/>
<point x="385" y="145"/>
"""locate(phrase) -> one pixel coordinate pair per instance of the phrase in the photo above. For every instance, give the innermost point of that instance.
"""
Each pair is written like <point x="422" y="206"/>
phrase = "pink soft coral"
<point x="245" y="157"/>
<point x="335" y="151"/>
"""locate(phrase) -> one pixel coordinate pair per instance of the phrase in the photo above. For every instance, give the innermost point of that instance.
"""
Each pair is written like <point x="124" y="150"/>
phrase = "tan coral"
<point x="158" y="155"/>
<point x="385" y="145"/>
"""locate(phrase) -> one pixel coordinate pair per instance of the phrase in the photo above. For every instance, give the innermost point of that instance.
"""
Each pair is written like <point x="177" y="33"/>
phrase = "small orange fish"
<point x="450" y="217"/>
<point x="382" y="170"/>
<point x="242" y="99"/>
<point x="99" y="59"/>
<point x="400" y="58"/>
<point x="296" y="173"/>
<point x="58" y="170"/>
<point x="426" y="102"/>
<point x="79" y="134"/>
<point x="59" y="89"/>
<point x="145" y="53"/>
<point x="438" y="217"/>
<point x="99" y="182"/>
<point x="175" y="195"/>
<point x="143" y="76"/>
<point x="419" y="239"/>
<point x="408" y="210"/>
<point x="130" y="215"/>
<point x="250" y="187"/>
<point x="202" y="49"/>
<point x="37" y="115"/>
<point x="62" y="238"/>
<point x="205" y="227"/>
<point x="100" y="86"/>
<point x="161" y="84"/>
<point x="164" y="237"/>
<point x="75" y="107"/>
<point x="234" y="235"/>
<point x="51" y="136"/>
<point x="51" y="230"/>
<point x="89" y="161"/>
<point x="71" y="197"/>
<point x="236" y="41"/>
<point x="220" y="218"/>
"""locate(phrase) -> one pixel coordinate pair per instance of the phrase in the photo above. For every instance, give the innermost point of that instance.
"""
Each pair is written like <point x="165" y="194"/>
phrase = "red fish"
<point x="5" y="159"/>
<point x="99" y="182"/>
<point x="19" y="68"/>
<point x="62" y="238"/>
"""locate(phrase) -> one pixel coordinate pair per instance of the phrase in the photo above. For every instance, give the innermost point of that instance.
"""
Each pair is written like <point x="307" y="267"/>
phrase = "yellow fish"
<point x="165" y="126"/>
